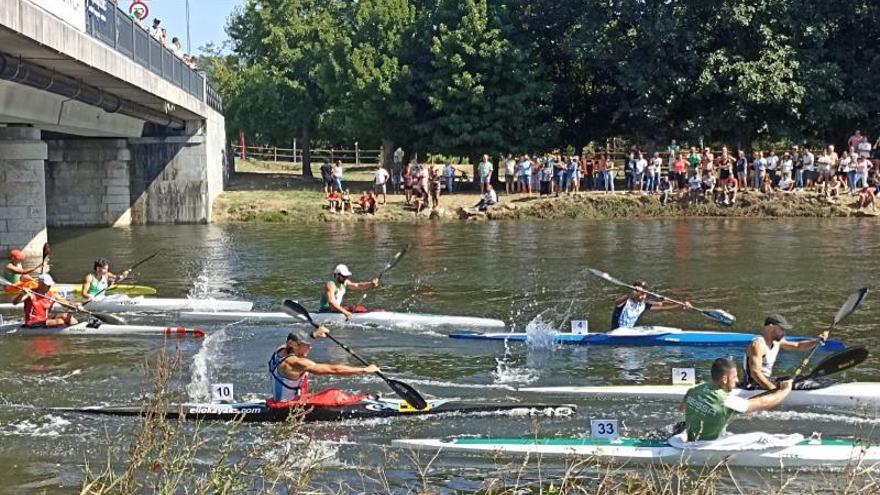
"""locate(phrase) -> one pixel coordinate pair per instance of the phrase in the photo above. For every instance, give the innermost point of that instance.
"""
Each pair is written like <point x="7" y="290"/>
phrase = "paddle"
<point x="718" y="315"/>
<point x="391" y="264"/>
<point x="139" y="263"/>
<point x="849" y="306"/>
<point x="106" y="318"/>
<point x="406" y="392"/>
<point x="837" y="362"/>
<point x="47" y="250"/>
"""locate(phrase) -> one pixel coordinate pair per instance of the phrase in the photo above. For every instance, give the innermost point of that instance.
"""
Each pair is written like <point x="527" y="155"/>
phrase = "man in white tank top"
<point x="761" y="354"/>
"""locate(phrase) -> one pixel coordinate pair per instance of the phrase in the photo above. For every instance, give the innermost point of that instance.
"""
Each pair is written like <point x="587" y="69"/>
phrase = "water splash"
<point x="540" y="333"/>
<point x="46" y="426"/>
<point x="506" y="373"/>
<point x="203" y="364"/>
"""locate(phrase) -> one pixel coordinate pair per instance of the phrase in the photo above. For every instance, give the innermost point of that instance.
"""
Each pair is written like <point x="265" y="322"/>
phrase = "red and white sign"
<point x="139" y="10"/>
<point x="72" y="12"/>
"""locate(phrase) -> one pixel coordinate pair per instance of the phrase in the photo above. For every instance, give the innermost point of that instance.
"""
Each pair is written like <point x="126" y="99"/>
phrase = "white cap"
<point x="342" y="270"/>
<point x="46" y="279"/>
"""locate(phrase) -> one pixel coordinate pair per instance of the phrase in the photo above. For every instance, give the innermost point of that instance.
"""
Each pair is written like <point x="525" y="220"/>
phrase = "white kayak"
<point x="384" y="318"/>
<point x="104" y="330"/>
<point x="796" y="453"/>
<point x="122" y="304"/>
<point x="853" y="394"/>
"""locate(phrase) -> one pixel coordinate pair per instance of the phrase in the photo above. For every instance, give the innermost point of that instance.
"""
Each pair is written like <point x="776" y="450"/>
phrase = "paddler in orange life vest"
<point x="37" y="304"/>
<point x="290" y="367"/>
<point x="97" y="281"/>
<point x="334" y="291"/>
<point x="14" y="272"/>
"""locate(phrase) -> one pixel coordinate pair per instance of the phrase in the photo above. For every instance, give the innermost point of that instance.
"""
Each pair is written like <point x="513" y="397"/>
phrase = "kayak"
<point x="105" y="330"/>
<point x="122" y="304"/>
<point x="640" y="336"/>
<point x="71" y="291"/>
<point x="815" y="453"/>
<point x="127" y="289"/>
<point x="852" y="394"/>
<point x="383" y="318"/>
<point x="377" y="407"/>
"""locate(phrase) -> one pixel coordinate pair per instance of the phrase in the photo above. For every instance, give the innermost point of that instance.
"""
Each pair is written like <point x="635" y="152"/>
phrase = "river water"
<point x="529" y="274"/>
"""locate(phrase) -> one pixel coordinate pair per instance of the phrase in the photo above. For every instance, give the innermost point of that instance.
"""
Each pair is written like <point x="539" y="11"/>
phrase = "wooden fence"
<point x="354" y="155"/>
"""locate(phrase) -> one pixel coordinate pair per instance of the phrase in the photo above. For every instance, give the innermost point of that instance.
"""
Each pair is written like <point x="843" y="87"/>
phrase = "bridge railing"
<point x="107" y="23"/>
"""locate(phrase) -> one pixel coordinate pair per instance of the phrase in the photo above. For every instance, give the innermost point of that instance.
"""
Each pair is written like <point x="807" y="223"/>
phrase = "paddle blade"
<point x="47" y="250"/>
<point x="720" y="316"/>
<point x="108" y="318"/>
<point x="606" y="276"/>
<point x="838" y="362"/>
<point x="853" y="302"/>
<point x="407" y="393"/>
<point x="298" y="311"/>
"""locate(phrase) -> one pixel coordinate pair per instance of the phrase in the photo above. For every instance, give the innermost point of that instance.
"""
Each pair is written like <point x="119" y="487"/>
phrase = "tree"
<point x="484" y="94"/>
<point x="293" y="53"/>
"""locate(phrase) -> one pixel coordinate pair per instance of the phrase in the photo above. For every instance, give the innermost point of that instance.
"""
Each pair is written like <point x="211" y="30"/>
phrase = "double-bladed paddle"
<point x="104" y="317"/>
<point x="849" y="306"/>
<point x="718" y="315"/>
<point x="835" y="363"/>
<point x="139" y="263"/>
<point x="391" y="264"/>
<point x="406" y="392"/>
<point x="47" y="250"/>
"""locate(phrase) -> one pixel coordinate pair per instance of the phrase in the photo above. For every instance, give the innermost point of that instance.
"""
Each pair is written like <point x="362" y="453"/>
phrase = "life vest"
<point x="283" y="388"/>
<point x="36" y="310"/>
<point x="338" y="294"/>
<point x="767" y="363"/>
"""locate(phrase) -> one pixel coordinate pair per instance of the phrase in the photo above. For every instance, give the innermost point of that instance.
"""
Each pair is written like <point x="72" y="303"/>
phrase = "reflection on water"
<point x="531" y="274"/>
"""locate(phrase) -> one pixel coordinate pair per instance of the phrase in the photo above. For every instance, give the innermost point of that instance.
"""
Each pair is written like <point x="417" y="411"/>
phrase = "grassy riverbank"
<point x="274" y="194"/>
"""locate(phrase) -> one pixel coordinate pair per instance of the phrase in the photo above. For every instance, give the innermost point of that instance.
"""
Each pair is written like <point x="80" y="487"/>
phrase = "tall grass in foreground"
<point x="171" y="457"/>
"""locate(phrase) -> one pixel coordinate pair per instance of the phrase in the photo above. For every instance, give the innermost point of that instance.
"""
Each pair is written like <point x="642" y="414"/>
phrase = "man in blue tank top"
<point x="628" y="308"/>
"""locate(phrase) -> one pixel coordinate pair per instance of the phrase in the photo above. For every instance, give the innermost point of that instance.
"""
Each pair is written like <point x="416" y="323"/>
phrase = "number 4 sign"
<point x="221" y="392"/>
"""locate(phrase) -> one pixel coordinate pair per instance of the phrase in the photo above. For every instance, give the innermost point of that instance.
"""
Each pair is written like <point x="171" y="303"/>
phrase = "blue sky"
<point x="207" y="18"/>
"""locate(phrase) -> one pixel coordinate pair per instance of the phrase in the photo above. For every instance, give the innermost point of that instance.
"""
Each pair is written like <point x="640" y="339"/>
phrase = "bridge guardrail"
<point x="107" y="23"/>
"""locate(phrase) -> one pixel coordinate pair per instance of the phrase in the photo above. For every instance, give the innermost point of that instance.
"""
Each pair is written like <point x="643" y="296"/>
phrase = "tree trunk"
<point x="307" y="152"/>
<point x="388" y="154"/>
<point x="496" y="173"/>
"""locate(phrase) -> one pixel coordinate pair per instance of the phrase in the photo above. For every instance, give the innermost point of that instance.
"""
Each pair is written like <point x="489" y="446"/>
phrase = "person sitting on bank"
<point x="346" y="202"/>
<point x="334" y="291"/>
<point x="709" y="407"/>
<point x="334" y="201"/>
<point x="762" y="352"/>
<point x="38" y="302"/>
<point x="490" y="197"/>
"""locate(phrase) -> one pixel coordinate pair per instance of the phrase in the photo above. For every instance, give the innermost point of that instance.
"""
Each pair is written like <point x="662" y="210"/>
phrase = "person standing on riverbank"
<point x="449" y="175"/>
<point x="337" y="175"/>
<point x="380" y="181"/>
<point x="525" y="175"/>
<point x="397" y="173"/>
<point x="327" y="176"/>
<point x="510" y="174"/>
<point x="484" y="169"/>
<point x="741" y="167"/>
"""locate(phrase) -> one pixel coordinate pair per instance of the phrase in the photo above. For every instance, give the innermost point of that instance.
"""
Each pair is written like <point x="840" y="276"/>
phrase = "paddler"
<point x="708" y="407"/>
<point x="14" y="271"/>
<point x="97" y="281"/>
<point x="334" y="291"/>
<point x="38" y="302"/>
<point x="290" y="367"/>
<point x="762" y="352"/>
<point x="628" y="308"/>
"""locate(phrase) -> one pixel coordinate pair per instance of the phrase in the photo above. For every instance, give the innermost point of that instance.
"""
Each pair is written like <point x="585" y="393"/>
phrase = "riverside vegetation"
<point x="168" y="457"/>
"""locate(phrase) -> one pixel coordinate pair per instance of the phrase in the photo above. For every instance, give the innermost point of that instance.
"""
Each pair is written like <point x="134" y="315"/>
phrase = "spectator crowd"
<point x="690" y="176"/>
<point x="161" y="35"/>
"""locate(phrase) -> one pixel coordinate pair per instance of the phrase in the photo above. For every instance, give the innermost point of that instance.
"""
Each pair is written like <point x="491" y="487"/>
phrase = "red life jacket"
<point x="36" y="310"/>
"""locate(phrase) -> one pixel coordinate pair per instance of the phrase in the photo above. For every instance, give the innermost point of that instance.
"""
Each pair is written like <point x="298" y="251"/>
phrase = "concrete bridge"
<point x="100" y="125"/>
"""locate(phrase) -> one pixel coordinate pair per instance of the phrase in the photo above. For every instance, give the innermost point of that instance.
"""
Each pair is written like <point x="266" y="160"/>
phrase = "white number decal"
<point x="684" y="376"/>
<point x="604" y="428"/>
<point x="222" y="392"/>
<point x="580" y="327"/>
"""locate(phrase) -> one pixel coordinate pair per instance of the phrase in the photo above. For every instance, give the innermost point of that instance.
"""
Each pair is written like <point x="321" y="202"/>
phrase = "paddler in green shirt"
<point x="99" y="280"/>
<point x="334" y="291"/>
<point x="708" y="407"/>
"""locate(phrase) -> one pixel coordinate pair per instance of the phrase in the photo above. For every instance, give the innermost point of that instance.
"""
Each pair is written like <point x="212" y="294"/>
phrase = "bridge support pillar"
<point x="22" y="190"/>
